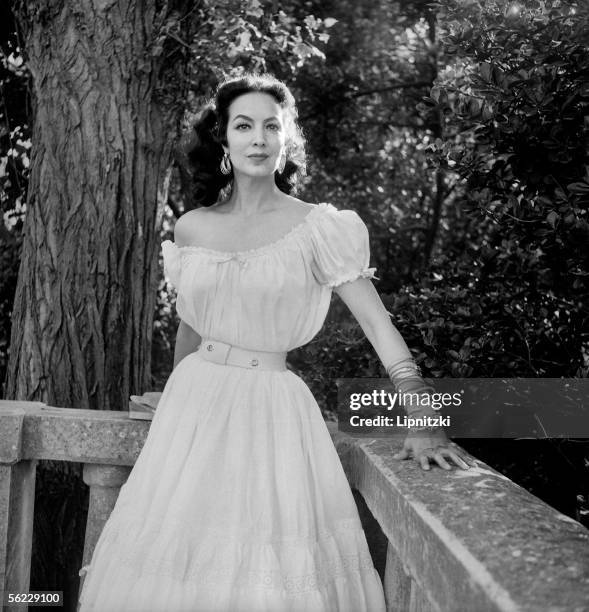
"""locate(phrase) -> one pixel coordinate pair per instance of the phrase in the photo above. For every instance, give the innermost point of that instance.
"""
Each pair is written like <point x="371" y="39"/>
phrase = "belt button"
<point x="254" y="362"/>
<point x="209" y="347"/>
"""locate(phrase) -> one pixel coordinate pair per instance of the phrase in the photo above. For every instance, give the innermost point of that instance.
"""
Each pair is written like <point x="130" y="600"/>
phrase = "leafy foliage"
<point x="366" y="136"/>
<point x="231" y="36"/>
<point x="15" y="145"/>
<point x="515" y="99"/>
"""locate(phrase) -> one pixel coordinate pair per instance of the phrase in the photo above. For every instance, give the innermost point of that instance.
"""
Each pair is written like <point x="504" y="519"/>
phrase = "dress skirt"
<point x="238" y="502"/>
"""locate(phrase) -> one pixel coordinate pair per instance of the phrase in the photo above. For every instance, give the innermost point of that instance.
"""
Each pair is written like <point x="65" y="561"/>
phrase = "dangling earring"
<point x="282" y="164"/>
<point x="225" y="164"/>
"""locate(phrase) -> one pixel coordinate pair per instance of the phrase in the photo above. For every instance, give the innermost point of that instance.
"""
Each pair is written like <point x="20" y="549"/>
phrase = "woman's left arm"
<point x="361" y="297"/>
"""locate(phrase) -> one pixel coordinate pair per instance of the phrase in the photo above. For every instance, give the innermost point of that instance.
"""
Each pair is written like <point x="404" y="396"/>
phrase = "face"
<point x="255" y="134"/>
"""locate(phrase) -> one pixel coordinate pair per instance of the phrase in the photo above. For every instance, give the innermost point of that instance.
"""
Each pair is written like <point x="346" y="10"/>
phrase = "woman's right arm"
<point x="187" y="341"/>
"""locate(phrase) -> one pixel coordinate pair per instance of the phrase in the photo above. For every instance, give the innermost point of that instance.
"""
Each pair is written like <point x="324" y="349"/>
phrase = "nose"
<point x="259" y="136"/>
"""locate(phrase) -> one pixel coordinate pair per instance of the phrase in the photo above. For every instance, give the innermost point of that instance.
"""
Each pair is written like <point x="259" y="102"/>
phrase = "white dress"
<point x="238" y="501"/>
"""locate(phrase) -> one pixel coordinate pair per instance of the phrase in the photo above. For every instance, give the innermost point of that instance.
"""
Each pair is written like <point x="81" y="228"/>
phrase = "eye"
<point x="273" y="126"/>
<point x="239" y="126"/>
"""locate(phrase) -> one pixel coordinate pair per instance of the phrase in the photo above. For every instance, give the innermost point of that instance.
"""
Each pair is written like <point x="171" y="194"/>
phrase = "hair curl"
<point x="210" y="130"/>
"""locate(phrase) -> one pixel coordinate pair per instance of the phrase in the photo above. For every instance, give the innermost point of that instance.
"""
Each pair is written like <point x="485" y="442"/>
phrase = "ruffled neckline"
<point x="294" y="231"/>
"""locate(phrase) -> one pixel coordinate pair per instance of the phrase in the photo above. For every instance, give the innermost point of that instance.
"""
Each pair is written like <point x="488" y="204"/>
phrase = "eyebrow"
<point x="273" y="118"/>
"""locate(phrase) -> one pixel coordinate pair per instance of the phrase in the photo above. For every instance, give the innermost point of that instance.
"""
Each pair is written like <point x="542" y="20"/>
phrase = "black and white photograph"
<point x="294" y="305"/>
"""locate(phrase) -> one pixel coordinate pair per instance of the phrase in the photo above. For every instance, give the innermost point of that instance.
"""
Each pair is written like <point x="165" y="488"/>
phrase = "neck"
<point x="253" y="195"/>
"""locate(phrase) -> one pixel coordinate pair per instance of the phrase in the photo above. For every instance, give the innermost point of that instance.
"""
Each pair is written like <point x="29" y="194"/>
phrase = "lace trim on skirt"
<point x="339" y="550"/>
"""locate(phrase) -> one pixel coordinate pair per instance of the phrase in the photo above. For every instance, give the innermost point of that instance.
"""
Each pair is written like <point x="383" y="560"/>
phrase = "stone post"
<point x="17" y="503"/>
<point x="105" y="482"/>
<point x="397" y="585"/>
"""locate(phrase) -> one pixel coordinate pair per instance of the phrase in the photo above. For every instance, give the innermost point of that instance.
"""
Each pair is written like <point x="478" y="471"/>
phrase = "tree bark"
<point x="108" y="101"/>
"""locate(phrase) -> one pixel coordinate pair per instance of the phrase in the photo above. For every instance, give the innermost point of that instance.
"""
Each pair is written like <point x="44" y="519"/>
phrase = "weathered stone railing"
<point x="459" y="540"/>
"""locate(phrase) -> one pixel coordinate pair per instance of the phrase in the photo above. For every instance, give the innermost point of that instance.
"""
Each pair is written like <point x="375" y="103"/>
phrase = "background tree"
<point x="101" y="133"/>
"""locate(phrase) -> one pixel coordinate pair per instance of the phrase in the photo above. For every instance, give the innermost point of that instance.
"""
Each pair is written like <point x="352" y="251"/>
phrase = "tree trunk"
<point x="107" y="107"/>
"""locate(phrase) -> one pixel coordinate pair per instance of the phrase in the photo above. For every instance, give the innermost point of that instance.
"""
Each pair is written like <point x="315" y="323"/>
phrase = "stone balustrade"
<point x="469" y="541"/>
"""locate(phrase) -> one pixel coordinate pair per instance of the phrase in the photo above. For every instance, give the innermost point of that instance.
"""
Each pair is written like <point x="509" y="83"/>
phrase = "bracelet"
<point x="395" y="368"/>
<point x="405" y="371"/>
<point x="406" y="376"/>
<point x="415" y="385"/>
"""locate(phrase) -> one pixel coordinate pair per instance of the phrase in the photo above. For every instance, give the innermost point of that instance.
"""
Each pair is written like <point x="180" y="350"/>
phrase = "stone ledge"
<point x="70" y="434"/>
<point x="471" y="539"/>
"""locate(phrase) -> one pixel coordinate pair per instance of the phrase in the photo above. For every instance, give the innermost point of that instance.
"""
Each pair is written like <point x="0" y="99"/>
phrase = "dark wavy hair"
<point x="210" y="130"/>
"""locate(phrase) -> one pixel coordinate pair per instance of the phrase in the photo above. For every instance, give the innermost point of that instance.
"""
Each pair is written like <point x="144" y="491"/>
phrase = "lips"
<point x="258" y="156"/>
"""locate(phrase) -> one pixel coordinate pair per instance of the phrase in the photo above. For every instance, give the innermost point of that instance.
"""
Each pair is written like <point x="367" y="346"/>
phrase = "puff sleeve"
<point x="341" y="250"/>
<point x="172" y="262"/>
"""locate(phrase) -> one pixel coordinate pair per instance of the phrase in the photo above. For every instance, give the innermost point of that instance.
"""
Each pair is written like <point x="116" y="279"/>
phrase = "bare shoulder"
<point x="298" y="208"/>
<point x="191" y="226"/>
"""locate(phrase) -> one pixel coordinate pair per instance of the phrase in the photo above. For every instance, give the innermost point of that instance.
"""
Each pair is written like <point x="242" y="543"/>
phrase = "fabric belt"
<point x="228" y="354"/>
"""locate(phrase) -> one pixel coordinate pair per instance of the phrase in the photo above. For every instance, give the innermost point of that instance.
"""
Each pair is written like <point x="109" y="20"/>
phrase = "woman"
<point x="238" y="501"/>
